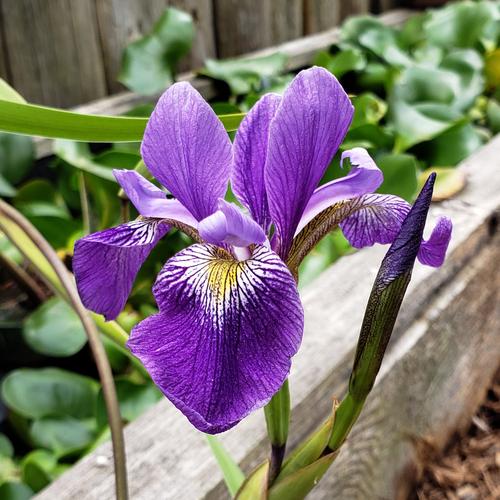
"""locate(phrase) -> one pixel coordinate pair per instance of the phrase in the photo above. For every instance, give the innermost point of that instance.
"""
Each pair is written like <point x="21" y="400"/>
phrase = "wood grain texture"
<point x="354" y="8"/>
<point x="321" y="15"/>
<point x="286" y="20"/>
<point x="123" y="21"/>
<point x="53" y="50"/>
<point x="299" y="53"/>
<point x="444" y="349"/>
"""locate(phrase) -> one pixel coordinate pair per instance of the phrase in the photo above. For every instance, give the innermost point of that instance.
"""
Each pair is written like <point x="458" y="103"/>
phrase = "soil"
<point x="469" y="469"/>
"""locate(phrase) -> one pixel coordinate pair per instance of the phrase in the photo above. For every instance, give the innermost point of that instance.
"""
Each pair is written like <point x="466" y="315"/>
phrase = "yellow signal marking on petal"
<point x="223" y="277"/>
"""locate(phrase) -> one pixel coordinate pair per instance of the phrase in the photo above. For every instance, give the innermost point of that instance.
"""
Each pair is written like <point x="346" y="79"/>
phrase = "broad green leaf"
<point x="148" y="64"/>
<point x="492" y="68"/>
<point x="349" y="59"/>
<point x="15" y="491"/>
<point x="369" y="136"/>
<point x="245" y="75"/>
<point x="29" y="119"/>
<point x="78" y="155"/>
<point x="62" y="435"/>
<point x="372" y="34"/>
<point x="37" y="393"/>
<point x="296" y="486"/>
<point x="449" y="182"/>
<point x="493" y="115"/>
<point x="400" y="175"/>
<point x="6" y="188"/>
<point x="255" y="485"/>
<point x="452" y="146"/>
<point x="16" y="157"/>
<point x="6" y="448"/>
<point x="368" y="108"/>
<point x="411" y="33"/>
<point x="37" y="468"/>
<point x="39" y="197"/>
<point x="54" y="329"/>
<point x="117" y="159"/>
<point x="375" y="76"/>
<point x="419" y="122"/>
<point x="9" y="471"/>
<point x="460" y="24"/>
<point x="134" y="399"/>
<point x="233" y="475"/>
<point x="39" y="201"/>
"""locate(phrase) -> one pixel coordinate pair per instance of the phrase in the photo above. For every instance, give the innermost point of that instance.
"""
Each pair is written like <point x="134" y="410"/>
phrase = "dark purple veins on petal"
<point x="222" y="343"/>
<point x="106" y="263"/>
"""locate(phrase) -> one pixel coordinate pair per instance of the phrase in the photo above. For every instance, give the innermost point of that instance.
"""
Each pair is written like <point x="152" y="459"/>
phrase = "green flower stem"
<point x="277" y="413"/>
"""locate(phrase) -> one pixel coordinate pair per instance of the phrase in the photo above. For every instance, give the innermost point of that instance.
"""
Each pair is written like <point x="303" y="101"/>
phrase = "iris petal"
<point x="250" y="152"/>
<point x="230" y="225"/>
<point x="187" y="149"/>
<point x="221" y="345"/>
<point x="151" y="201"/>
<point x="378" y="220"/>
<point x="364" y="177"/>
<point x="106" y="263"/>
<point x="304" y="135"/>
<point x="433" y="251"/>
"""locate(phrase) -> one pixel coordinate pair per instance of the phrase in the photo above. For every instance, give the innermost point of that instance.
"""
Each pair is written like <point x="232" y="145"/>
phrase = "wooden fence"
<point x="68" y="52"/>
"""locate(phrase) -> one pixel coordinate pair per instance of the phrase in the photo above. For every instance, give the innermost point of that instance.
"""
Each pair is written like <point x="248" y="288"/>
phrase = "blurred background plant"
<point x="426" y="96"/>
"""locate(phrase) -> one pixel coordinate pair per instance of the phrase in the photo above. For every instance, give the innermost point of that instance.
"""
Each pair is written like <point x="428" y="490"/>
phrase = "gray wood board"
<point x="300" y="53"/>
<point x="167" y="458"/>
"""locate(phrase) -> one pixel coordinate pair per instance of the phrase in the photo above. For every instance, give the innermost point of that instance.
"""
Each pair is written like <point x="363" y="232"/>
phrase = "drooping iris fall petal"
<point x="250" y="153"/>
<point x="106" y="263"/>
<point x="187" y="149"/>
<point x="221" y="344"/>
<point x="304" y="135"/>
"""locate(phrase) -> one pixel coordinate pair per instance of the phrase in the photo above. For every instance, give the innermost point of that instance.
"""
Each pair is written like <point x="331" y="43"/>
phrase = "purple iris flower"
<point x="230" y="317"/>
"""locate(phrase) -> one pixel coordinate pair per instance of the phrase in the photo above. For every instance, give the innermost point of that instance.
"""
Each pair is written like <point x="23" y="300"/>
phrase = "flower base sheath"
<point x="229" y="315"/>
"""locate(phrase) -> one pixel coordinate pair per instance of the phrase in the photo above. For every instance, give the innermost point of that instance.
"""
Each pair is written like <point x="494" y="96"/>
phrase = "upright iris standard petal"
<point x="106" y="263"/>
<point x="221" y="344"/>
<point x="432" y="251"/>
<point x="187" y="149"/>
<point x="151" y="201"/>
<point x="364" y="177"/>
<point x="231" y="226"/>
<point x="377" y="220"/>
<point x="250" y="153"/>
<point x="305" y="133"/>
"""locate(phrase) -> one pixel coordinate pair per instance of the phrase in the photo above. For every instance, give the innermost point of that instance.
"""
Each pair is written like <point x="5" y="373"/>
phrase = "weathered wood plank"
<point x="242" y="26"/>
<point x="354" y="8"/>
<point x="320" y="15"/>
<point x="123" y="21"/>
<point x="53" y="50"/>
<point x="286" y="20"/>
<point x="4" y="63"/>
<point x="299" y="54"/>
<point x="447" y="329"/>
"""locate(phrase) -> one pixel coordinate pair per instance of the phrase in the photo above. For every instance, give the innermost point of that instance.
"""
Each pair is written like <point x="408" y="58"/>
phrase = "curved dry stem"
<point x="101" y="360"/>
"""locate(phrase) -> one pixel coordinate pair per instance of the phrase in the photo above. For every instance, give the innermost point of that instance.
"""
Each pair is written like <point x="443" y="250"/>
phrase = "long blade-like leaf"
<point x="30" y="119"/>
<point x="233" y="475"/>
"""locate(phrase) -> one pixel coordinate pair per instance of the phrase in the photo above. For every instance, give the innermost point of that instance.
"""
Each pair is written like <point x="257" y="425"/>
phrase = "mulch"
<point x="469" y="469"/>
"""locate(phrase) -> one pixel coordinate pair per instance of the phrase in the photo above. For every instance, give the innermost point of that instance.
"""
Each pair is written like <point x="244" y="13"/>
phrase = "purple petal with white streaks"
<point x="250" y="152"/>
<point x="106" y="263"/>
<point x="151" y="201"/>
<point x="187" y="149"/>
<point x="364" y="177"/>
<point x="221" y="345"/>
<point x="433" y="251"/>
<point x="304" y="135"/>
